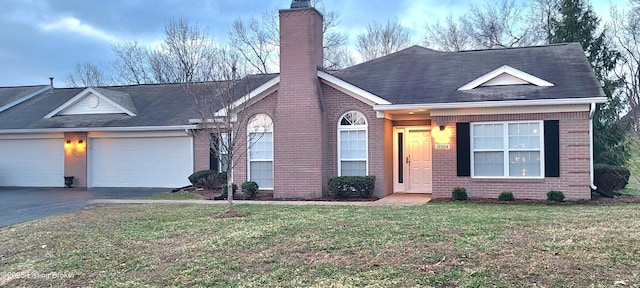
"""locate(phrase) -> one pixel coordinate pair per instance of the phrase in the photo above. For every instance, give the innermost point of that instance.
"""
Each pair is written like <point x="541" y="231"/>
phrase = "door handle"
<point x="408" y="159"/>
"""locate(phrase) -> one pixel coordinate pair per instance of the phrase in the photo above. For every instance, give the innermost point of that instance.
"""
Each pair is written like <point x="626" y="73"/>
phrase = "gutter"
<point x="490" y="104"/>
<point x="96" y="129"/>
<point x="591" y="172"/>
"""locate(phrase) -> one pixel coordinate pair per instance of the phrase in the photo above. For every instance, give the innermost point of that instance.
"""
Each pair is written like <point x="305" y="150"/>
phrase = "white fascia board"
<point x="82" y="95"/>
<point x="488" y="104"/>
<point x="90" y="129"/>
<point x="352" y="90"/>
<point x="508" y="70"/>
<point x="22" y="99"/>
<point x="262" y="90"/>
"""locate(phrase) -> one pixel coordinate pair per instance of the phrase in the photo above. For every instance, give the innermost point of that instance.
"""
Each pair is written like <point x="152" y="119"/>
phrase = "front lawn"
<point x="441" y="244"/>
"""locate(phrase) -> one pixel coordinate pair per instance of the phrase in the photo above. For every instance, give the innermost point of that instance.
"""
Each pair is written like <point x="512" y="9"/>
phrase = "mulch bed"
<point x="596" y="199"/>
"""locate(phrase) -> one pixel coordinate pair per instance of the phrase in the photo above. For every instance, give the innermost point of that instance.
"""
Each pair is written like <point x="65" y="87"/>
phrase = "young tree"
<point x="219" y="103"/>
<point x="579" y="23"/>
<point x="379" y="40"/>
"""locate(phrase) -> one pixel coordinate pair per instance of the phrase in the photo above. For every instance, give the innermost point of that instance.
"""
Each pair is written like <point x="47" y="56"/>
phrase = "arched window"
<point x="352" y="144"/>
<point x="260" y="152"/>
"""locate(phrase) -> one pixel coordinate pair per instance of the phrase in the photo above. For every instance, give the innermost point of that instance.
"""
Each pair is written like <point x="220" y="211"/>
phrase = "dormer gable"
<point x="97" y="101"/>
<point x="504" y="76"/>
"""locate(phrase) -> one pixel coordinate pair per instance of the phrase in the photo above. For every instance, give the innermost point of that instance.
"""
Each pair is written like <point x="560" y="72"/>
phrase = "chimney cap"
<point x="296" y="4"/>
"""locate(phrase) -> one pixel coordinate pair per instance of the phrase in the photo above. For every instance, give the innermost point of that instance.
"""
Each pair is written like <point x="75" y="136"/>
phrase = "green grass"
<point x="436" y="245"/>
<point x="174" y="196"/>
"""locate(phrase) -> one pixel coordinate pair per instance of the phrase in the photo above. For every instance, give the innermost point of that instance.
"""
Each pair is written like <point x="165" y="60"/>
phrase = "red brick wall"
<point x="574" y="180"/>
<point x="201" y="154"/>
<point x="298" y="118"/>
<point x="380" y="137"/>
<point x="75" y="158"/>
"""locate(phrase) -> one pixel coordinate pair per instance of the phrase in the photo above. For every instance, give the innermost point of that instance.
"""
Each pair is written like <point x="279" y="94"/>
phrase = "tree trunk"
<point x="229" y="189"/>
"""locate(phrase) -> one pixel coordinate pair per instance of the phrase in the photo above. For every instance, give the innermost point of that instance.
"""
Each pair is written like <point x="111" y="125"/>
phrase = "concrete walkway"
<point x="391" y="200"/>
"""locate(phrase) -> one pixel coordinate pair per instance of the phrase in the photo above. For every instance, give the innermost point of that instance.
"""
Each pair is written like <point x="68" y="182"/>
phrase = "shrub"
<point x="459" y="193"/>
<point x="234" y="188"/>
<point x="208" y="179"/>
<point x="250" y="189"/>
<point x="555" y="196"/>
<point x="197" y="179"/>
<point x="610" y="178"/>
<point x="506" y="196"/>
<point x="344" y="186"/>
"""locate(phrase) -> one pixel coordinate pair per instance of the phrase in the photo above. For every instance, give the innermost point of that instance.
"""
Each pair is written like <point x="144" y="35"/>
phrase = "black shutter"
<point x="463" y="150"/>
<point x="551" y="148"/>
<point x="213" y="156"/>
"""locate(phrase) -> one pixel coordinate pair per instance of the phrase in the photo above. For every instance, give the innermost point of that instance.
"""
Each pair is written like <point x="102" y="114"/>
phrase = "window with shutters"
<point x="507" y="149"/>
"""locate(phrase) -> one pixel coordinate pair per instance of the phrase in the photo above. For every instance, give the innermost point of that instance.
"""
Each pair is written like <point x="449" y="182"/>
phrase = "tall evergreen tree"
<point x="579" y="23"/>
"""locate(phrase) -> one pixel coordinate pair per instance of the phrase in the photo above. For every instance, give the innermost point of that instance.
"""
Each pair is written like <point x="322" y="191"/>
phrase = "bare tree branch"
<point x="379" y="40"/>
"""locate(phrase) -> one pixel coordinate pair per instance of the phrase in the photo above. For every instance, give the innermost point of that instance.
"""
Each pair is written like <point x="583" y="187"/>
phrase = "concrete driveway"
<point x="21" y="204"/>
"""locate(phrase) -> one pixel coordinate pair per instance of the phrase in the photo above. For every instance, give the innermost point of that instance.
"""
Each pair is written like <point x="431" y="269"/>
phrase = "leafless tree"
<point x="220" y="103"/>
<point x="502" y="24"/>
<point x="540" y="16"/>
<point x="498" y="25"/>
<point x="86" y="75"/>
<point x="625" y="29"/>
<point x="453" y="35"/>
<point x="188" y="48"/>
<point x="132" y="64"/>
<point x="380" y="40"/>
<point x="255" y="42"/>
<point x="258" y="40"/>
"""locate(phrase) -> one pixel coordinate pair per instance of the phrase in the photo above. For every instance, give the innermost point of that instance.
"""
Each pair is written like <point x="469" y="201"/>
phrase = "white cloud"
<point x="74" y="25"/>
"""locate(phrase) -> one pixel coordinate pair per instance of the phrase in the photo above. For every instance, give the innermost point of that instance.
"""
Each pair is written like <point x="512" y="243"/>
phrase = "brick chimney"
<point x="299" y="129"/>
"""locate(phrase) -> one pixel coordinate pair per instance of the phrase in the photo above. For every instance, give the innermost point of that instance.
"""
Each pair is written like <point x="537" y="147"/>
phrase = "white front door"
<point x="412" y="163"/>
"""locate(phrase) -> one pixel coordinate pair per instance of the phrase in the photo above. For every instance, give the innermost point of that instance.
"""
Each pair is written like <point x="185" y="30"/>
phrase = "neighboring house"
<point x="420" y="120"/>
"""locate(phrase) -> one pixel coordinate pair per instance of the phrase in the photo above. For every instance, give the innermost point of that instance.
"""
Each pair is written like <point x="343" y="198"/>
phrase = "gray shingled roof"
<point x="122" y="98"/>
<point x="156" y="104"/>
<point x="418" y="75"/>
<point x="10" y="94"/>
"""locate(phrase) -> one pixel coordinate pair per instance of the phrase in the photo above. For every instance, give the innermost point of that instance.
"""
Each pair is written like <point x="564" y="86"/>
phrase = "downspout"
<point x="591" y="112"/>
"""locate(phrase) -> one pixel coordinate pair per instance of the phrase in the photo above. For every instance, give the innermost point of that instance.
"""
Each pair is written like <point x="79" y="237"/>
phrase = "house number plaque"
<point x="443" y="146"/>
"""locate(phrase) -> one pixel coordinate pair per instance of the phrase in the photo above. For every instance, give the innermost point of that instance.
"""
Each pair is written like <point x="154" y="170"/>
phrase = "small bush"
<point x="344" y="186"/>
<point x="197" y="179"/>
<point x="506" y="196"/>
<point x="459" y="193"/>
<point x="610" y="178"/>
<point x="250" y="189"/>
<point x="208" y="179"/>
<point x="557" y="196"/>
<point x="234" y="188"/>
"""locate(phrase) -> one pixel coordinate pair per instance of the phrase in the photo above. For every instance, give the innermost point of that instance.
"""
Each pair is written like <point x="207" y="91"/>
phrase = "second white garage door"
<point x="140" y="161"/>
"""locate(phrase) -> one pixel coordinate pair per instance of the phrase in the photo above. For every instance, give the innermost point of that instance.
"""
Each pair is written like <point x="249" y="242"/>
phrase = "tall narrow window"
<point x="260" y="154"/>
<point x="352" y="144"/>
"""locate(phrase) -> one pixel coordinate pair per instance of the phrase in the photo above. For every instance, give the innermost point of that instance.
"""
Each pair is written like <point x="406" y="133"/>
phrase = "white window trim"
<point x="364" y="127"/>
<point x="249" y="160"/>
<point x="505" y="149"/>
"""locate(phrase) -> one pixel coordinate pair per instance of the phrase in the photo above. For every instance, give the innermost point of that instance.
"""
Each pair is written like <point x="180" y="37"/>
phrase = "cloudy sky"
<point x="47" y="38"/>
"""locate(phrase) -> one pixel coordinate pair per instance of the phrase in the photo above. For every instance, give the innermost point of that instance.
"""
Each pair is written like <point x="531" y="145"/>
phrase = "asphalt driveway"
<point x="21" y="204"/>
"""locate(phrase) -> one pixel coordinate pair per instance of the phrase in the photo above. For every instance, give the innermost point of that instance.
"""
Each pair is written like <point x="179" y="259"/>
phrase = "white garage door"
<point x="32" y="162"/>
<point x="140" y="162"/>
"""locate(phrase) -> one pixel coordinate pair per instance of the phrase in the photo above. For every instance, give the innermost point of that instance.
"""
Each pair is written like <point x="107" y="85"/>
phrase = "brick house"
<point x="421" y="121"/>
